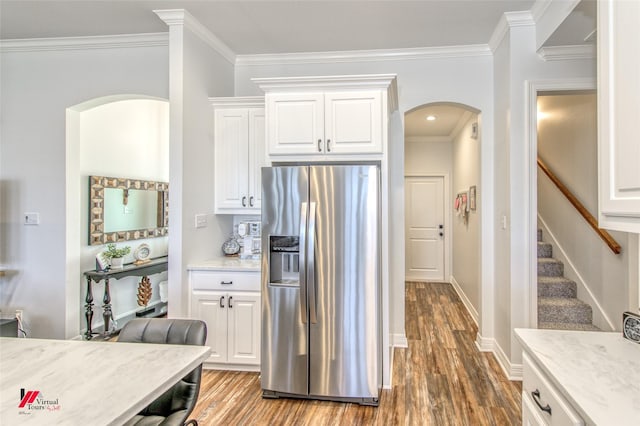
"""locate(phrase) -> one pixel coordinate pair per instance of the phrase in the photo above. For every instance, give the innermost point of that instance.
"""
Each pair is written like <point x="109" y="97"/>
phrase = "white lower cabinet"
<point x="232" y="317"/>
<point x="542" y="402"/>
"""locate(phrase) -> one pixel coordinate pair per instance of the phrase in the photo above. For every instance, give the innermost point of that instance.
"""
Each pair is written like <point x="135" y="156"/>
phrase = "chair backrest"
<point x="184" y="394"/>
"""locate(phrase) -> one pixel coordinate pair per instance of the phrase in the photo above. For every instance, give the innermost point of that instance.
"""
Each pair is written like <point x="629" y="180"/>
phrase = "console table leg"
<point x="106" y="307"/>
<point x="88" y="310"/>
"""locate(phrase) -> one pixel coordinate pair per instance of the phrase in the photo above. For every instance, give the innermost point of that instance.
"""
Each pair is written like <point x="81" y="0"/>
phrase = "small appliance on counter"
<point x="249" y="240"/>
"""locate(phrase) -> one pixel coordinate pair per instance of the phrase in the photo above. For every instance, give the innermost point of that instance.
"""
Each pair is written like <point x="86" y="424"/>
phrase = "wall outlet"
<point x="32" y="218"/>
<point x="201" y="221"/>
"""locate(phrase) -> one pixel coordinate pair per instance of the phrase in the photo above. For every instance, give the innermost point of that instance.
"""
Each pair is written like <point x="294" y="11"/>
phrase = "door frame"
<point x="446" y="193"/>
<point x="531" y="147"/>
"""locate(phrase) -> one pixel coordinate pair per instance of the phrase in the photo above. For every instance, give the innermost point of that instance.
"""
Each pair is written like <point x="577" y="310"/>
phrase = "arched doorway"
<point x="442" y="187"/>
<point x="119" y="136"/>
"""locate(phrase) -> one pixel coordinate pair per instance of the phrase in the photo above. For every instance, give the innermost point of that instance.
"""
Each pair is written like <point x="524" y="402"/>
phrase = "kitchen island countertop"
<point x="226" y="264"/>
<point x="598" y="372"/>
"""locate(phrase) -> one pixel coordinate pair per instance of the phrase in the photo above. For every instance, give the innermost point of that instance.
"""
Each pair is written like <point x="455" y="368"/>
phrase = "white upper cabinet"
<point x="328" y="118"/>
<point x="296" y="123"/>
<point x="618" y="114"/>
<point x="239" y="137"/>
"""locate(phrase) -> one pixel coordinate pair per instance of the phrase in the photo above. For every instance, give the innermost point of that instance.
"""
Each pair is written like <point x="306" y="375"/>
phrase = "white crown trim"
<point x="233" y="101"/>
<point x="85" y="43"/>
<point x="183" y="17"/>
<point x="364" y="55"/>
<point x="563" y="53"/>
<point x="509" y="20"/>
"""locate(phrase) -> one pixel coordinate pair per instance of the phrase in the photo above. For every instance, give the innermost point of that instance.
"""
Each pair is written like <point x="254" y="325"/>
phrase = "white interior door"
<point x="425" y="233"/>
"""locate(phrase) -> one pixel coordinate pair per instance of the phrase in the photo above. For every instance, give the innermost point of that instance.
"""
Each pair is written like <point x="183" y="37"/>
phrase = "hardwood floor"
<point x="440" y="379"/>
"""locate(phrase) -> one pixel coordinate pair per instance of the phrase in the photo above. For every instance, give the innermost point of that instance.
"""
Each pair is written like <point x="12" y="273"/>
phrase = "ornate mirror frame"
<point x="97" y="185"/>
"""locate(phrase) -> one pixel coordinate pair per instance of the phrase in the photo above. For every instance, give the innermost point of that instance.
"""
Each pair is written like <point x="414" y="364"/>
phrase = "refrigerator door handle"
<point x="311" y="262"/>
<point x="301" y="262"/>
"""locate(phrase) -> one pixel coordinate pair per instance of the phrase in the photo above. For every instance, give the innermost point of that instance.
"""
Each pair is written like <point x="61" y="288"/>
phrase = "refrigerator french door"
<point x="321" y="282"/>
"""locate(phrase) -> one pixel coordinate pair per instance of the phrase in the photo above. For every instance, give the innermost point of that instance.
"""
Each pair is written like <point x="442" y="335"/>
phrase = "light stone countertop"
<point x="226" y="264"/>
<point x="597" y="372"/>
<point x="87" y="383"/>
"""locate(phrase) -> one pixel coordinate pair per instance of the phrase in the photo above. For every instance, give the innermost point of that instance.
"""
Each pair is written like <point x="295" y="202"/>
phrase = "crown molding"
<point x="509" y="20"/>
<point x="181" y="17"/>
<point x="233" y="101"/>
<point x="305" y="83"/>
<point x="376" y="55"/>
<point x="85" y="43"/>
<point x="563" y="53"/>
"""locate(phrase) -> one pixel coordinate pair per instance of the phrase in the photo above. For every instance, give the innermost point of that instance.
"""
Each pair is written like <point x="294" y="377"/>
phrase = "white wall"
<point x="517" y="63"/>
<point x="567" y="142"/>
<point x="427" y="156"/>
<point x="466" y="232"/>
<point x="37" y="87"/>
<point x="197" y="72"/>
<point x="128" y="139"/>
<point x="431" y="77"/>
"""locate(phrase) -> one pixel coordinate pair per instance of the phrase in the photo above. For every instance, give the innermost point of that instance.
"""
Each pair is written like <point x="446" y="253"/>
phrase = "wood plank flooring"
<point x="440" y="379"/>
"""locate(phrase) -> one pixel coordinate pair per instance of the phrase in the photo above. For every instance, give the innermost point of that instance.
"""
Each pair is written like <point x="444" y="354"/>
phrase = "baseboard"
<point x="512" y="371"/>
<point x="465" y="300"/>
<point x="399" y="341"/>
<point x="230" y="367"/>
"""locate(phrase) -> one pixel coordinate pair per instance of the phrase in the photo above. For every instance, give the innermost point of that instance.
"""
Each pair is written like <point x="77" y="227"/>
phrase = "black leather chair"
<point x="176" y="404"/>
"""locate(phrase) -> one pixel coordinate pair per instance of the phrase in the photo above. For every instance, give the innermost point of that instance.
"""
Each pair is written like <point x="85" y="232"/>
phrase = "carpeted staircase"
<point x="558" y="305"/>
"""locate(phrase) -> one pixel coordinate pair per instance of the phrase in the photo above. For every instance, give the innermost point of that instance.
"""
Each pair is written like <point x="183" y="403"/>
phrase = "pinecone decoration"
<point x="144" y="291"/>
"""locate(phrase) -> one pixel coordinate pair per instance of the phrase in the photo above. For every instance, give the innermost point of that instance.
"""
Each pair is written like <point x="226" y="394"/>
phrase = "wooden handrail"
<point x="606" y="237"/>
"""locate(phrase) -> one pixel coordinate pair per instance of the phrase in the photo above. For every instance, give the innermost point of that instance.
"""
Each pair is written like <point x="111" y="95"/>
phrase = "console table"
<point x="155" y="266"/>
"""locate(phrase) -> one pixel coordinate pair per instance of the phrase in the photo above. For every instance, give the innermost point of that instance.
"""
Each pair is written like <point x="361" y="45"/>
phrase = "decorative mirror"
<point x="122" y="209"/>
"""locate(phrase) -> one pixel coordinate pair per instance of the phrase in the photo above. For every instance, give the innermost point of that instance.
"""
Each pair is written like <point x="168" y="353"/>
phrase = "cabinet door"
<point x="353" y="122"/>
<point x="618" y="112"/>
<point x="244" y="327"/>
<point x="257" y="157"/>
<point x="530" y="416"/>
<point x="295" y="123"/>
<point x="231" y="152"/>
<point x="211" y="307"/>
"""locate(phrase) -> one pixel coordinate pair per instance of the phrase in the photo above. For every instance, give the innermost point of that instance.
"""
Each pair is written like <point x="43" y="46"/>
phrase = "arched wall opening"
<point x="119" y="136"/>
<point x="442" y="198"/>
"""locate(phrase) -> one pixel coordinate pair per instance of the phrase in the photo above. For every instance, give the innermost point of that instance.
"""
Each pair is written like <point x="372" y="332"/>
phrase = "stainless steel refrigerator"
<point x="321" y="282"/>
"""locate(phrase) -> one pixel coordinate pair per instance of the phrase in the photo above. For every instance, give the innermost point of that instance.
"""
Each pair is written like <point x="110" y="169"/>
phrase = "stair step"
<point x="539" y="234"/>
<point x="567" y="326"/>
<point x="544" y="249"/>
<point x="559" y="309"/>
<point x="549" y="267"/>
<point x="557" y="287"/>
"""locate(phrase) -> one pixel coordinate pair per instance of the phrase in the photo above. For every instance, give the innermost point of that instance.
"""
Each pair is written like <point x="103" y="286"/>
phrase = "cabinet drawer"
<point x="225" y="281"/>
<point x="535" y="386"/>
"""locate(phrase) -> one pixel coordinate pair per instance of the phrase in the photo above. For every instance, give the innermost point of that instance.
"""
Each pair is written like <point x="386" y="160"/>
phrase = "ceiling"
<point x="270" y="27"/>
<point x="254" y="27"/>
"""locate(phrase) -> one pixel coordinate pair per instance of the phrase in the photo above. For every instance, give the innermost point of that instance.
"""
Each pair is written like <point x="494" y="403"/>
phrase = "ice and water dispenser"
<point x="284" y="260"/>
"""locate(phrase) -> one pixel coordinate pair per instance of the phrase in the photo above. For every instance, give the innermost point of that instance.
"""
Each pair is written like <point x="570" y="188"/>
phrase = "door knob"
<point x="441" y="226"/>
<point x="441" y="234"/>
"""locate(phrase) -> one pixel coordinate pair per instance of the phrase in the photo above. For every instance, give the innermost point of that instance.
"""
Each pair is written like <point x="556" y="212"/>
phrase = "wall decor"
<point x="122" y="209"/>
<point x="472" y="197"/>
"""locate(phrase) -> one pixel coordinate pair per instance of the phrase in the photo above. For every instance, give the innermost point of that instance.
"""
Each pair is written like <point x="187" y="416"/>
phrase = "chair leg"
<point x="191" y="422"/>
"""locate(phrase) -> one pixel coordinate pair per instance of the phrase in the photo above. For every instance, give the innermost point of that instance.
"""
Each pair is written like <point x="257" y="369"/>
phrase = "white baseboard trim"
<point x="232" y="367"/>
<point x="512" y="371"/>
<point x="465" y="300"/>
<point x="399" y="341"/>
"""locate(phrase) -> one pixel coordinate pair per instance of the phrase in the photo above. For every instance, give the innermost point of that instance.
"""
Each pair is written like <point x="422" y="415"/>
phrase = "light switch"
<point x="32" y="218"/>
